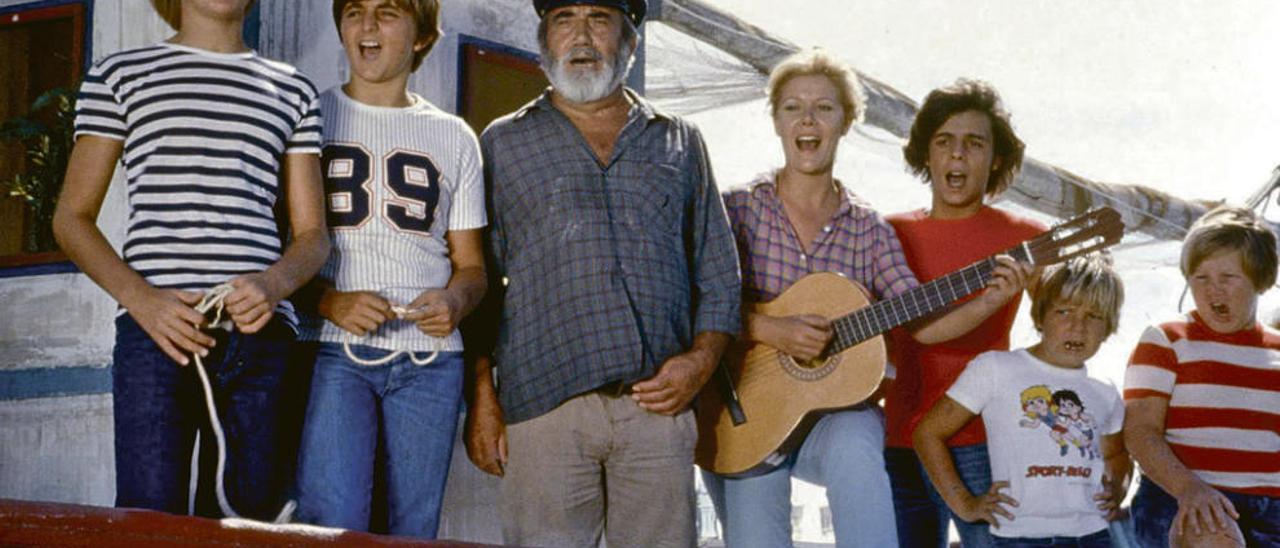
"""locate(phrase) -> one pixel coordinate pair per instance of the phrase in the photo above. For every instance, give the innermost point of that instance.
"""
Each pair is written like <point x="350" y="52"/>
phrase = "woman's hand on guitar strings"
<point x="803" y="336"/>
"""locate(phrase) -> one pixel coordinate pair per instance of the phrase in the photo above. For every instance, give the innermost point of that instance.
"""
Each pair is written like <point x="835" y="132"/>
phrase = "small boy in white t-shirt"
<point x="1054" y="433"/>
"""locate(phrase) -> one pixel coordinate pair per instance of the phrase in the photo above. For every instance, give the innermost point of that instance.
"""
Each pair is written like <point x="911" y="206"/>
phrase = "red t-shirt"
<point x="1223" y="392"/>
<point x="934" y="249"/>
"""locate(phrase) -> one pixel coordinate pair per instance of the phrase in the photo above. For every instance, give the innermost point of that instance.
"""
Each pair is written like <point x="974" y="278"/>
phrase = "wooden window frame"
<point x="81" y="13"/>
<point x="472" y="49"/>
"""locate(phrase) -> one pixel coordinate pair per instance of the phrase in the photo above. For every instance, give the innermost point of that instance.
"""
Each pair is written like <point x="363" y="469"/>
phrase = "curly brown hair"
<point x="963" y="96"/>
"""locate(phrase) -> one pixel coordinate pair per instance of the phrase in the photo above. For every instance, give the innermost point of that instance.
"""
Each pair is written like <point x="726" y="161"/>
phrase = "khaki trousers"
<point x="600" y="465"/>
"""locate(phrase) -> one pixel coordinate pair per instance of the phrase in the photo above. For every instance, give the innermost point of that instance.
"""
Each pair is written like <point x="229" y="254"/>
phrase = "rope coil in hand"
<point x="213" y="300"/>
<point x="400" y="313"/>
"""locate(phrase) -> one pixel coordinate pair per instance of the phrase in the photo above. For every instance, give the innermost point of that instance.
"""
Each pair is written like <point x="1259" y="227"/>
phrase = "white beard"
<point x="585" y="86"/>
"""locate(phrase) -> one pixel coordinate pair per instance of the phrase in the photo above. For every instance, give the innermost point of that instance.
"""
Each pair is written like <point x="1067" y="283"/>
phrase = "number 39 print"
<point x="412" y="188"/>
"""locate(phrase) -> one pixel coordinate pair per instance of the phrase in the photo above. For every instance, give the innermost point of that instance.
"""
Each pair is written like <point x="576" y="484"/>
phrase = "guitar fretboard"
<point x="920" y="301"/>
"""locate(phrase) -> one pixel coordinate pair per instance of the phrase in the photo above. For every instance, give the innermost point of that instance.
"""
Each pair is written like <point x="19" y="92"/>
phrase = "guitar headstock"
<point x="1089" y="232"/>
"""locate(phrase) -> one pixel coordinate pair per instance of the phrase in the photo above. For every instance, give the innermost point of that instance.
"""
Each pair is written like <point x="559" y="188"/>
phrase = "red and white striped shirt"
<point x="1223" y="421"/>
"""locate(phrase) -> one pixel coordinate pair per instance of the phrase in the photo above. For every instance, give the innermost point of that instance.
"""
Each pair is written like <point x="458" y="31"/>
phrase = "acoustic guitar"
<point x="781" y="397"/>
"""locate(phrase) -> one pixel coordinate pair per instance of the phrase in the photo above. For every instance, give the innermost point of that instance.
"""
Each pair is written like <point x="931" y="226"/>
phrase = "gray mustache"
<point x="582" y="52"/>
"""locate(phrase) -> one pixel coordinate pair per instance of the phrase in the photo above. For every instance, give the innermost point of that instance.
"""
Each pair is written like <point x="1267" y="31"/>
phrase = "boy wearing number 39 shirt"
<point x="405" y="206"/>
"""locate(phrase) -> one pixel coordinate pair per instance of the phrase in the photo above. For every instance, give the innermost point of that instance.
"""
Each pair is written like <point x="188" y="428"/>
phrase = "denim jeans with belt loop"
<point x="410" y="411"/>
<point x="159" y="406"/>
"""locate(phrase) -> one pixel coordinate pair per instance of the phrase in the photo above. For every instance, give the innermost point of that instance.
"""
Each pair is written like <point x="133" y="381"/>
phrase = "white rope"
<point x="213" y="300"/>
<point x="400" y="313"/>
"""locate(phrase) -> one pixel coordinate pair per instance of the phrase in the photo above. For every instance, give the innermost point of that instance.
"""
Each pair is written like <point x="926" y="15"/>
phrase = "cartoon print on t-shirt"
<point x="1071" y="415"/>
<point x="1038" y="406"/>
<point x="1063" y="413"/>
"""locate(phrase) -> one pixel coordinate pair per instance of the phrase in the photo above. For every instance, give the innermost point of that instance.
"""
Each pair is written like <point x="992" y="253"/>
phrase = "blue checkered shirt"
<point x="610" y="269"/>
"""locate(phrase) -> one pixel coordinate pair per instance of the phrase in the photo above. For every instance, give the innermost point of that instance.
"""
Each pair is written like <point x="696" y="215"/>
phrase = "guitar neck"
<point x="917" y="302"/>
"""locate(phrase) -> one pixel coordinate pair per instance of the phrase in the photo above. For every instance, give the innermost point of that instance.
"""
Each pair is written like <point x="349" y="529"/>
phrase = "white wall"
<point x="59" y="449"/>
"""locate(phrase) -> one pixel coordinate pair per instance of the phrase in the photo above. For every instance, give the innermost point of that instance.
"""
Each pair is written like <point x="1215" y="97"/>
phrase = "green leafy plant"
<point x="47" y="135"/>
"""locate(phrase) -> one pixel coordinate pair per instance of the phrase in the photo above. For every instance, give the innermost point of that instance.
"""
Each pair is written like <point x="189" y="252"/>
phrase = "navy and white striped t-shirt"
<point x="204" y="135"/>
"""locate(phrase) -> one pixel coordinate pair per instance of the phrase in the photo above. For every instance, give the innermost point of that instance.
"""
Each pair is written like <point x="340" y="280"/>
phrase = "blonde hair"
<point x="1233" y="228"/>
<point x="1038" y="391"/>
<point x="819" y="62"/>
<point x="171" y="11"/>
<point x="1088" y="281"/>
<point x="426" y="17"/>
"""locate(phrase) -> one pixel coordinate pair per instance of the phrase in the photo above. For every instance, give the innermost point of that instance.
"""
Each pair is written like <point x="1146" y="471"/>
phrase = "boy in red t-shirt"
<point x="963" y="145"/>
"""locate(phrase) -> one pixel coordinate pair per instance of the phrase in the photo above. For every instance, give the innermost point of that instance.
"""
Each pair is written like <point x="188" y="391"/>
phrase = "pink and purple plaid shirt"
<point x="856" y="242"/>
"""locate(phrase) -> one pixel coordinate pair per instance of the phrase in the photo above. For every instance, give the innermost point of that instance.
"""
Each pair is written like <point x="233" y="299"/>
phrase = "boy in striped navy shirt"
<point x="211" y="137"/>
<point x="405" y="208"/>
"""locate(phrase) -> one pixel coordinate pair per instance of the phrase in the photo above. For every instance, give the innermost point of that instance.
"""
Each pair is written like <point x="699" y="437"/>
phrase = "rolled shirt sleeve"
<point x="715" y="254"/>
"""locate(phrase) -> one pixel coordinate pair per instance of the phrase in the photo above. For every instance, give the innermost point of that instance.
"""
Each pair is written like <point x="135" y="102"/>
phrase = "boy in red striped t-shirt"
<point x="1203" y="394"/>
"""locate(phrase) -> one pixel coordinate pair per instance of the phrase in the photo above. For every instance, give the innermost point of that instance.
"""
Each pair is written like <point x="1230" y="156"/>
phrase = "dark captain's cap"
<point x="633" y="9"/>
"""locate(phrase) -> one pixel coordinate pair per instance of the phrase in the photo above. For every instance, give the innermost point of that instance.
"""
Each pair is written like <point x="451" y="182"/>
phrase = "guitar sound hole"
<point x="810" y="364"/>
<point x="808" y="370"/>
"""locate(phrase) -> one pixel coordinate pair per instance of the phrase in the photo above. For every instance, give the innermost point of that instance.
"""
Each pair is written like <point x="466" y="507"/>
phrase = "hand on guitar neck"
<point x="1007" y="279"/>
<point x="805" y="336"/>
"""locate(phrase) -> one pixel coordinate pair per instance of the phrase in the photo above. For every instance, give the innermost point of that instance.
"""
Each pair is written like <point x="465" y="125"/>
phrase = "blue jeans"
<point x="408" y="411"/>
<point x="921" y="513"/>
<point x="159" y="406"/>
<point x="1100" y="539"/>
<point x="1153" y="511"/>
<point x="844" y="453"/>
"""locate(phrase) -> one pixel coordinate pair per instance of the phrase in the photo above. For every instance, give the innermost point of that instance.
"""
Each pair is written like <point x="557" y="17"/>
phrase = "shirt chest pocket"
<point x="650" y="199"/>
<point x="572" y="209"/>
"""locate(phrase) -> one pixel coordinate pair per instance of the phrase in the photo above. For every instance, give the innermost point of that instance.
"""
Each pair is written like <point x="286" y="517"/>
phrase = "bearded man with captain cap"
<point x="622" y="290"/>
